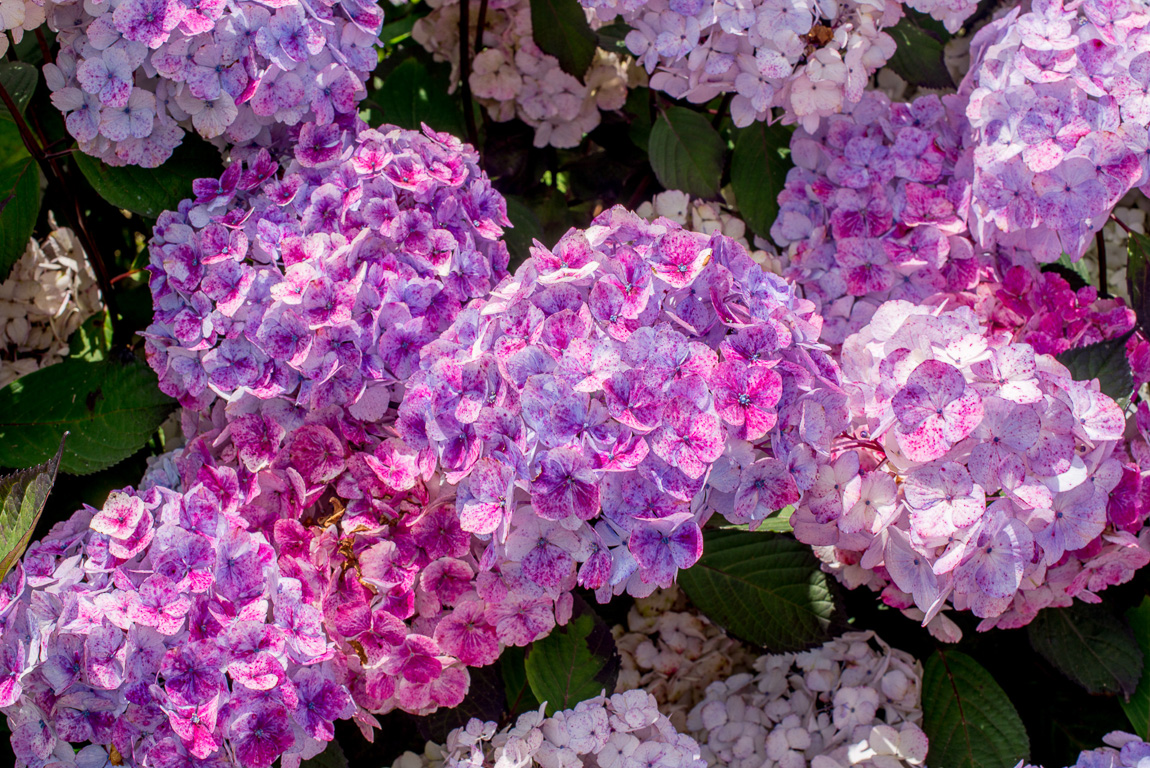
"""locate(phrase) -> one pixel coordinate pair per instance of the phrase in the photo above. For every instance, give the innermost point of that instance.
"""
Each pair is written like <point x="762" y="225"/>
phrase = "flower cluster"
<point x="674" y="654"/>
<point x="1122" y="750"/>
<point x="511" y="77"/>
<point x="975" y="472"/>
<point x="405" y="598"/>
<point x="1059" y="112"/>
<point x="158" y="630"/>
<point x="854" y="701"/>
<point x="132" y="75"/>
<point x="621" y="387"/>
<point x="875" y="208"/>
<point x="320" y="282"/>
<point x="49" y="292"/>
<point x="621" y="731"/>
<point x="810" y="60"/>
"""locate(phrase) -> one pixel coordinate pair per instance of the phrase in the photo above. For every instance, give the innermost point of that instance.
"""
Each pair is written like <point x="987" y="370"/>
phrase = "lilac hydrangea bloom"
<point x="1057" y="104"/>
<point x="320" y="281"/>
<point x="132" y="76"/>
<point x="622" y="387"/>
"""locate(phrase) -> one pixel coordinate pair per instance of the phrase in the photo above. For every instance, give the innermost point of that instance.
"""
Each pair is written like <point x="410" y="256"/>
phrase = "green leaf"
<point x="151" y="191"/>
<point x="92" y="340"/>
<point x="1138" y="706"/>
<point x="19" y="79"/>
<point x="573" y="663"/>
<point x="686" y="152"/>
<point x="525" y="228"/>
<point x="399" y="30"/>
<point x="520" y="699"/>
<point x="332" y="757"/>
<point x="19" y="204"/>
<point x="638" y="107"/>
<point x="967" y="716"/>
<point x="1089" y="645"/>
<point x="612" y="36"/>
<point x="765" y="588"/>
<point x="1105" y="361"/>
<point x="22" y="498"/>
<point x="759" y="168"/>
<point x="1138" y="278"/>
<point x="560" y="28"/>
<point x="918" y="53"/>
<point x="410" y="96"/>
<point x="111" y="409"/>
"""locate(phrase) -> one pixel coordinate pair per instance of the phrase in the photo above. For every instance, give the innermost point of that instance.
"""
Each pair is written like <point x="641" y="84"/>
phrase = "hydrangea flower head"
<point x="160" y="629"/>
<point x="512" y="78"/>
<point x="853" y="701"/>
<point x="1058" y="110"/>
<point x="132" y="76"/>
<point x="975" y="473"/>
<point x="875" y="208"/>
<point x="623" y="386"/>
<point x="602" y="732"/>
<point x="320" y="281"/>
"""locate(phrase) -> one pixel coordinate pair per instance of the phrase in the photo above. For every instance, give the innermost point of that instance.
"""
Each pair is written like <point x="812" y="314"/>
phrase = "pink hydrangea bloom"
<point x="149" y="654"/>
<point x="1007" y="471"/>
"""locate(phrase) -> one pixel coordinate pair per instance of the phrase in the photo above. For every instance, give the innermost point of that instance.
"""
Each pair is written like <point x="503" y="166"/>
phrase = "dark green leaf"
<point x="918" y="55"/>
<point x="525" y="228"/>
<point x="22" y="498"/>
<point x="19" y="79"/>
<point x="520" y="699"/>
<point x="759" y="168"/>
<point x="765" y="588"/>
<point x="1138" y="707"/>
<point x="1089" y="645"/>
<point x="573" y="663"/>
<point x="110" y="408"/>
<point x="1138" y="278"/>
<point x="332" y="757"/>
<point x="398" y="30"/>
<point x="686" y="152"/>
<point x="1105" y="361"/>
<point x="560" y="28"/>
<point x="967" y="716"/>
<point x="612" y="36"/>
<point x="19" y="203"/>
<point x="411" y="96"/>
<point x="484" y="700"/>
<point x="151" y="191"/>
<point x="92" y="340"/>
<point x="638" y="107"/>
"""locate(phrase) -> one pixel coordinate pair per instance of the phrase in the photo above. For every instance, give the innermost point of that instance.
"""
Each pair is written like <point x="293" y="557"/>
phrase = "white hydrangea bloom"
<point x="854" y="701"/>
<point x="673" y="654"/>
<point x="621" y="731"/>
<point x="511" y="77"/>
<point x="50" y="291"/>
